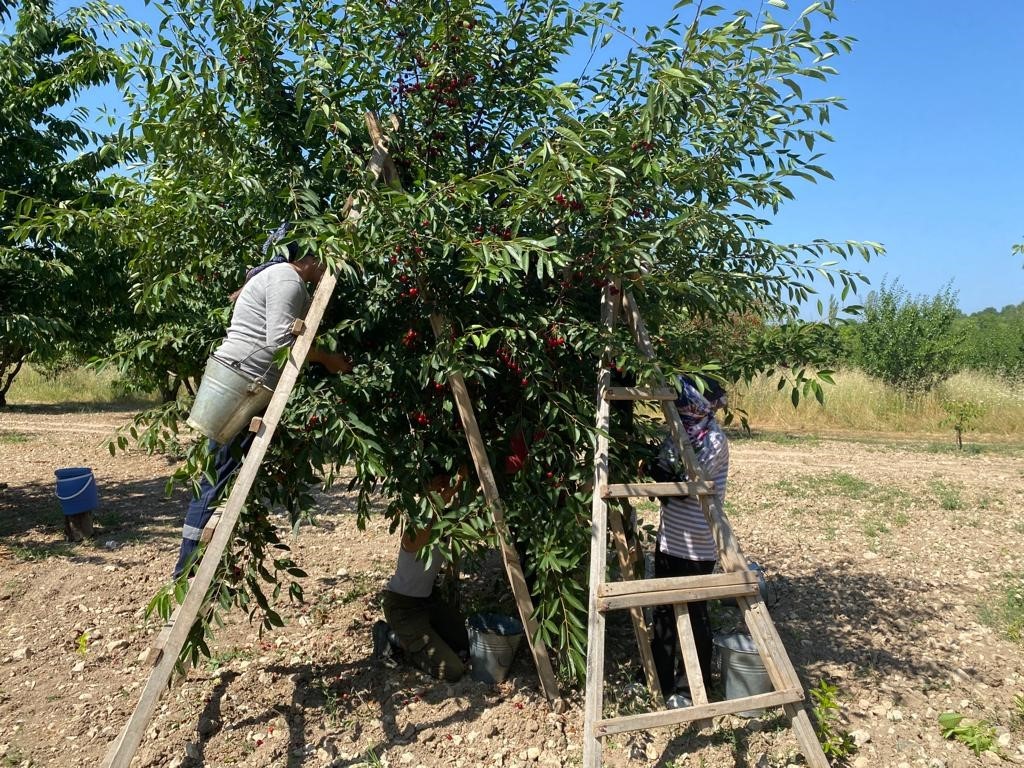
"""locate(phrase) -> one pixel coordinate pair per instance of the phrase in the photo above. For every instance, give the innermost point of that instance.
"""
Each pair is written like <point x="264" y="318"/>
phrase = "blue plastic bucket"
<point x="76" y="490"/>
<point x="493" y="641"/>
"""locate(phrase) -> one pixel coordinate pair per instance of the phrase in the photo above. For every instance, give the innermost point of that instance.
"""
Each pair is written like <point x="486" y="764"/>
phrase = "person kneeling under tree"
<point x="430" y="631"/>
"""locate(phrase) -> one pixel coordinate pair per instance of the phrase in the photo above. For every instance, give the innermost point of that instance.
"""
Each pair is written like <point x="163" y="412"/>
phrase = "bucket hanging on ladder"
<point x="226" y="401"/>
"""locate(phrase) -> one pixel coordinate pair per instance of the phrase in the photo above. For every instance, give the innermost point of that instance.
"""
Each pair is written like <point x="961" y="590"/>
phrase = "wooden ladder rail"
<point x="172" y="638"/>
<point x="513" y="567"/>
<point x="593" y="703"/>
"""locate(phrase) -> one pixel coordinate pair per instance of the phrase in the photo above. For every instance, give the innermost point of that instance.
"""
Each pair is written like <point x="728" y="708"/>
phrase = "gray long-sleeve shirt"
<point x="262" y="319"/>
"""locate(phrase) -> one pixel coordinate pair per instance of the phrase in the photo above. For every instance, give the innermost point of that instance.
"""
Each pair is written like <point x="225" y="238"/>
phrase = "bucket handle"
<point x="80" y="491"/>
<point x="237" y="365"/>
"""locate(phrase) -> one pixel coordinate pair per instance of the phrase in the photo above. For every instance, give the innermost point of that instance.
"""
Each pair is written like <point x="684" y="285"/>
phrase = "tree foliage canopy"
<point x="58" y="283"/>
<point x="993" y="340"/>
<point x="521" y="195"/>
<point x="909" y="342"/>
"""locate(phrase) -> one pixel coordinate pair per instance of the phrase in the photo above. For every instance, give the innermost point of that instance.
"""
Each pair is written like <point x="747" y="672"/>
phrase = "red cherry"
<point x="513" y="464"/>
<point x="518" y="444"/>
<point x="414" y="292"/>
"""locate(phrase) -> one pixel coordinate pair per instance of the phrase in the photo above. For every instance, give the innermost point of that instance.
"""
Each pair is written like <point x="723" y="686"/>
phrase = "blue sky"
<point x="928" y="159"/>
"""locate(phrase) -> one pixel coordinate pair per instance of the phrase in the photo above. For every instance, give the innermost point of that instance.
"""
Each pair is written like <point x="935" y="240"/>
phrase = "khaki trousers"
<point x="432" y="633"/>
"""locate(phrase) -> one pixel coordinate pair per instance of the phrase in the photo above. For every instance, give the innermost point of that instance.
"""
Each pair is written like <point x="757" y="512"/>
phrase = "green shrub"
<point x="908" y="342"/>
<point x="962" y="415"/>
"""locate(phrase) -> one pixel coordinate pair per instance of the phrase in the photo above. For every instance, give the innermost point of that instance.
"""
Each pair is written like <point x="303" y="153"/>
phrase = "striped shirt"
<point x="684" y="531"/>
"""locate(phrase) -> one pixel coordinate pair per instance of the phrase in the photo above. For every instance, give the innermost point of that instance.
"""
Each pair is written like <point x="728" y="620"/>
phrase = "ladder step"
<point x="646" y="720"/>
<point x="638" y="490"/>
<point x="742" y="578"/>
<point x="676" y="589"/>
<point x="640" y="393"/>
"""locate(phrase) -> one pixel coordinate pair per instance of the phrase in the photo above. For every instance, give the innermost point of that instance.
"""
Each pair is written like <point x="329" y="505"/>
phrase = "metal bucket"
<point x="493" y="641"/>
<point x="768" y="594"/>
<point x="742" y="669"/>
<point x="226" y="401"/>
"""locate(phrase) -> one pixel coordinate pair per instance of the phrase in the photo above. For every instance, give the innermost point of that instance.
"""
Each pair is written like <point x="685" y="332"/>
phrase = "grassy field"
<point x="860" y="403"/>
<point x="856" y="403"/>
<point x="73" y="385"/>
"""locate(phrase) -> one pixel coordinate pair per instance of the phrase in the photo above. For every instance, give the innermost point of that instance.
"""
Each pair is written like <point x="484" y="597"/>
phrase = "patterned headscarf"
<point x="273" y="239"/>
<point x="697" y="409"/>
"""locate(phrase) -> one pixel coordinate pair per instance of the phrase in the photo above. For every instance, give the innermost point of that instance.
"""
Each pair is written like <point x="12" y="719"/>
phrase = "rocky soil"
<point x="887" y="561"/>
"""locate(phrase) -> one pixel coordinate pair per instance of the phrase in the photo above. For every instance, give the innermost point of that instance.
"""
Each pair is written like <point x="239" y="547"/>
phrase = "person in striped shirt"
<point x="685" y="546"/>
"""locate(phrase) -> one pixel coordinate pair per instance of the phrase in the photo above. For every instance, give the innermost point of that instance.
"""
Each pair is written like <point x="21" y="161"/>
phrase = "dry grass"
<point x="73" y="385"/>
<point x="859" y="402"/>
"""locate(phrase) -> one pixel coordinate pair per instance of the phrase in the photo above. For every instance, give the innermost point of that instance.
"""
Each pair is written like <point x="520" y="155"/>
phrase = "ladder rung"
<point x="646" y="720"/>
<point x="637" y="490"/>
<point x="640" y="393"/>
<point x="671" y="592"/>
<point x="638" y="586"/>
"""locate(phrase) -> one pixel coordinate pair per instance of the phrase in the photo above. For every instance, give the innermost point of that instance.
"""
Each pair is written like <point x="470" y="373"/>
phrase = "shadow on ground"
<point x="71" y="408"/>
<point x="128" y="510"/>
<point x="337" y="693"/>
<point x="835" y="617"/>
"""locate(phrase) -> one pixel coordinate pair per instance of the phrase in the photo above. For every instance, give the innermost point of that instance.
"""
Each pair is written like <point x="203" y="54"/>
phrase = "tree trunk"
<point x="7" y="378"/>
<point x="169" y="390"/>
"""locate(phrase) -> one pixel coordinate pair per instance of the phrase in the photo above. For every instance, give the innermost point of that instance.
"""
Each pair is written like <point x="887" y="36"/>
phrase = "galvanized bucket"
<point x="769" y="593"/>
<point x="493" y="641"/>
<point x="742" y="669"/>
<point x="226" y="401"/>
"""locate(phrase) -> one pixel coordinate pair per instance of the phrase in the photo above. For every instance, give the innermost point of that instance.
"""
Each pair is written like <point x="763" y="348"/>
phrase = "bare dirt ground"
<point x="882" y="559"/>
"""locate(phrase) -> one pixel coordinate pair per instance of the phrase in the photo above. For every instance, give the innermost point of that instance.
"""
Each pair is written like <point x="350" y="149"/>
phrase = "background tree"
<point x="993" y="340"/>
<point x="908" y="342"/>
<point x="521" y="197"/>
<point x="60" y="285"/>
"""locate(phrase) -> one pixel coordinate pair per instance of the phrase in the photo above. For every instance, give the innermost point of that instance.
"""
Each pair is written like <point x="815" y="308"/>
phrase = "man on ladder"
<point x="273" y="297"/>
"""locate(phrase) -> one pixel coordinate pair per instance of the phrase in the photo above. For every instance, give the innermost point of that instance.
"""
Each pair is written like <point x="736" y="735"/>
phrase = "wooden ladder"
<point x="163" y="655"/>
<point x="736" y="581"/>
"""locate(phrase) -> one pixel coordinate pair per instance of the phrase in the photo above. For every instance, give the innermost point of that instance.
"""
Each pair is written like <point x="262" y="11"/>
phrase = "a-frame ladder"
<point x="735" y="581"/>
<point x="218" y="532"/>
